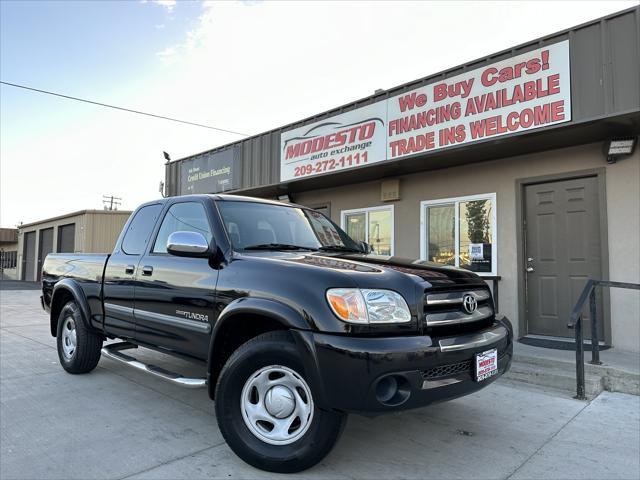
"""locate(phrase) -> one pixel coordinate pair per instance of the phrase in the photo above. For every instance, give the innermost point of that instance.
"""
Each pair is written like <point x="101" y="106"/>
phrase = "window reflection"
<point x="356" y="226"/>
<point x="380" y="231"/>
<point x="372" y="225"/>
<point x="442" y="235"/>
<point x="475" y="235"/>
<point x="460" y="232"/>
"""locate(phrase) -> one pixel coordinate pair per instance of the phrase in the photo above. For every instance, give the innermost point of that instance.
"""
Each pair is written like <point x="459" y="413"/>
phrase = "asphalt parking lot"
<point x="117" y="423"/>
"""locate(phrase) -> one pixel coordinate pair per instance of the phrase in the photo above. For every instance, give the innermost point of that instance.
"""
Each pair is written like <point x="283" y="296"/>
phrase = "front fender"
<point x="285" y="315"/>
<point x="282" y="313"/>
<point x="66" y="288"/>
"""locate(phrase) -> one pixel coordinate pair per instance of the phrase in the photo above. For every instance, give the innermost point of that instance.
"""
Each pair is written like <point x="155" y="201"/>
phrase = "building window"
<point x="8" y="259"/>
<point x="460" y="232"/>
<point x="372" y="225"/>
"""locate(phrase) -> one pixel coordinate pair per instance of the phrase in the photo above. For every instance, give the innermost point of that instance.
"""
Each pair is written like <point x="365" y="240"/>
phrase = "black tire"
<point x="86" y="354"/>
<point x="324" y="430"/>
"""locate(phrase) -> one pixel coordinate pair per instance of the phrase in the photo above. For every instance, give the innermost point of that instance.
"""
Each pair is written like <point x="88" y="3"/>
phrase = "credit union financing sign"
<point x="521" y="93"/>
<point x="210" y="173"/>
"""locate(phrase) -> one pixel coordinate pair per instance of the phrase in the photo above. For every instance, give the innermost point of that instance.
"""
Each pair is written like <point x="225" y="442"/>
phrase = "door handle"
<point x="147" y="270"/>
<point x="129" y="269"/>
<point x="529" y="265"/>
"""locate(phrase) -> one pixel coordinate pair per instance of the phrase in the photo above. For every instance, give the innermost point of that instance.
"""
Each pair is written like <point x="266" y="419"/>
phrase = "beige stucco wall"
<point x="499" y="176"/>
<point x="623" y="211"/>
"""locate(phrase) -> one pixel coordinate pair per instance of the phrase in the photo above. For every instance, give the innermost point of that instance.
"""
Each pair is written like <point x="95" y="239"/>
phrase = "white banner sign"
<point x="525" y="92"/>
<point x="345" y="141"/>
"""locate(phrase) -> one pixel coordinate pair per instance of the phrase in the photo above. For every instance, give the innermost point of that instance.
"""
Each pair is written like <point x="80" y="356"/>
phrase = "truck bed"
<point x="85" y="268"/>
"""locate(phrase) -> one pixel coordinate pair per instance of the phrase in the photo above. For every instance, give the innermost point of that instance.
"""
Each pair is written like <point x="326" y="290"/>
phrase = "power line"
<point x="121" y="108"/>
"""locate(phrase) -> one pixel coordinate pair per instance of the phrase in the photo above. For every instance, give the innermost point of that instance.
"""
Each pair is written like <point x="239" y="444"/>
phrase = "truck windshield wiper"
<point x="277" y="246"/>
<point x="338" y="248"/>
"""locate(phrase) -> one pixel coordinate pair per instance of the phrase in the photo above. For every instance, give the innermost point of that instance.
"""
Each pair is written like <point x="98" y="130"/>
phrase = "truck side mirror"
<point x="188" y="244"/>
<point x="365" y="247"/>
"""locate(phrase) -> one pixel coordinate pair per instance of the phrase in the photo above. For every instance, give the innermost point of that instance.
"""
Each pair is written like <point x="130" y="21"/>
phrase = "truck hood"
<point x="432" y="272"/>
<point x="362" y="264"/>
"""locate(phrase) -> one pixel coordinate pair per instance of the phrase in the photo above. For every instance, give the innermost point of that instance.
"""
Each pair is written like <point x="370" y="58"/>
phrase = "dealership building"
<point x="521" y="166"/>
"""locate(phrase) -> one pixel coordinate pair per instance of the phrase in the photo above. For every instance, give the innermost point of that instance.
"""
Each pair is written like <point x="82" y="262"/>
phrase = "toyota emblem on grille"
<point x="469" y="303"/>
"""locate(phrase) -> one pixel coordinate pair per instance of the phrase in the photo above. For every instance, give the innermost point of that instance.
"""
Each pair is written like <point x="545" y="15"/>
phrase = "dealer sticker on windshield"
<point x="486" y="364"/>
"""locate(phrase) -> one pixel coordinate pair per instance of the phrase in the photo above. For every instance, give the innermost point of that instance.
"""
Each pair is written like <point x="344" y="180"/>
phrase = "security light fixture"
<point x="166" y="156"/>
<point x="284" y="198"/>
<point x="620" y="147"/>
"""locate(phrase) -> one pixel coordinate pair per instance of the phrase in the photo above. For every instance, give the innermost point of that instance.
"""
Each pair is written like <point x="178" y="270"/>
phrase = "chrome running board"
<point x="114" y="352"/>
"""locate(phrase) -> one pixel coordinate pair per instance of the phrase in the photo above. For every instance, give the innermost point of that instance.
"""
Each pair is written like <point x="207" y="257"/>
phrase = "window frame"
<point x="366" y="210"/>
<point x="424" y="225"/>
<point x="163" y="215"/>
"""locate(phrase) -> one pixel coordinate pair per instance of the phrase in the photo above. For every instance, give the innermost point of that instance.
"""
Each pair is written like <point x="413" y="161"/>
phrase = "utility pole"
<point x="110" y="202"/>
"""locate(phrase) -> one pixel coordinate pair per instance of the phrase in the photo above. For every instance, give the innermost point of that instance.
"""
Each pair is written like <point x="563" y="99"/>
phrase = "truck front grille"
<point x="445" y="313"/>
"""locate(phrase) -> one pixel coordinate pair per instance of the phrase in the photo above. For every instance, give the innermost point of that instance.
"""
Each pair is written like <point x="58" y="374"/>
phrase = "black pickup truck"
<point x="297" y="324"/>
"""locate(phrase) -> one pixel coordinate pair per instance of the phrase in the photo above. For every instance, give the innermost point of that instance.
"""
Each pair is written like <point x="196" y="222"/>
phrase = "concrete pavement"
<point x="119" y="423"/>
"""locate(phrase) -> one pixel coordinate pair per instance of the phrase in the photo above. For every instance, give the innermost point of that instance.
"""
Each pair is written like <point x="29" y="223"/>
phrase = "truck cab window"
<point x="139" y="230"/>
<point x="253" y="224"/>
<point x="182" y="217"/>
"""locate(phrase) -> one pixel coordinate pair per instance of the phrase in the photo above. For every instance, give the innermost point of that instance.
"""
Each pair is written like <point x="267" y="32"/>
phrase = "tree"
<point x="477" y="221"/>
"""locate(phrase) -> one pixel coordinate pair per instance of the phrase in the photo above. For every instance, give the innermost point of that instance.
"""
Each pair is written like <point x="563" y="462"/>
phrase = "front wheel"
<point x="265" y="408"/>
<point x="78" y="347"/>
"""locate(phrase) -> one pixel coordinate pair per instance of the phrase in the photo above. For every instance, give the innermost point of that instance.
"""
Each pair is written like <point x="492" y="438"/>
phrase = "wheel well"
<point x="59" y="300"/>
<point x="236" y="331"/>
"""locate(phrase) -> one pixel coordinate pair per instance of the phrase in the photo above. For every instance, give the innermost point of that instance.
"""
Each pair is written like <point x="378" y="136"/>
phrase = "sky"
<point x="246" y="66"/>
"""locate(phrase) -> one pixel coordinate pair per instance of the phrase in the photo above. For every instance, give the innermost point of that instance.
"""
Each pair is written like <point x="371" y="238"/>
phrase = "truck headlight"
<point x="356" y="305"/>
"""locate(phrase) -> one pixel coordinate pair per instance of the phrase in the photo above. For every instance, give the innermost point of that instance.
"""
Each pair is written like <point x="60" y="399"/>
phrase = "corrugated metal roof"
<point x="74" y="214"/>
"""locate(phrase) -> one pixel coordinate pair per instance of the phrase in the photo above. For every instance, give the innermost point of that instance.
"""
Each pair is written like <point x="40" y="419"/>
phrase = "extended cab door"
<point x="119" y="275"/>
<point x="175" y="295"/>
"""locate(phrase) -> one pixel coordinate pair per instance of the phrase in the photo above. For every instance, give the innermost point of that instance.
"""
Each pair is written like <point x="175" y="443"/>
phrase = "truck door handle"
<point x="129" y="269"/>
<point x="147" y="270"/>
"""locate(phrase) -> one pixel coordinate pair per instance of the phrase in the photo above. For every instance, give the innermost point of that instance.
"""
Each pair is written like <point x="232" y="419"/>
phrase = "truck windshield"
<point x="256" y="226"/>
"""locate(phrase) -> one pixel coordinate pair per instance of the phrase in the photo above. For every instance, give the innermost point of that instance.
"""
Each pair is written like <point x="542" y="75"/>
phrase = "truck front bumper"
<point x="360" y="375"/>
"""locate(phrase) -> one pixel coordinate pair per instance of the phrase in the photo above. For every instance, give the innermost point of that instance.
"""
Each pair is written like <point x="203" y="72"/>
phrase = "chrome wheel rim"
<point x="277" y="405"/>
<point x="69" y="339"/>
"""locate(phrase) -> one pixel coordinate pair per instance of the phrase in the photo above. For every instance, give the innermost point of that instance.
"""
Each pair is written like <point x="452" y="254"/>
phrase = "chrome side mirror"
<point x="188" y="244"/>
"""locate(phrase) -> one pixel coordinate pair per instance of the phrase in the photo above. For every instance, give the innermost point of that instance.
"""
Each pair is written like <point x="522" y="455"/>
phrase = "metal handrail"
<point x="575" y="322"/>
<point x="494" y="288"/>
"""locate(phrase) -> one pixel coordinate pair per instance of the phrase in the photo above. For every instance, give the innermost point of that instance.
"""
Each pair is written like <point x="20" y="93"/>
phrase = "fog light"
<point x="386" y="389"/>
<point x="393" y="390"/>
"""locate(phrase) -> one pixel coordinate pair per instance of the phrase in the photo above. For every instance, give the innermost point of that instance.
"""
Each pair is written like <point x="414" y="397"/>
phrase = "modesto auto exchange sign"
<point x="521" y="93"/>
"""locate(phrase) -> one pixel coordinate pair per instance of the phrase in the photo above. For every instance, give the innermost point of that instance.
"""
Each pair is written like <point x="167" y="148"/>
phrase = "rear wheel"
<point x="266" y="411"/>
<point x="78" y="347"/>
